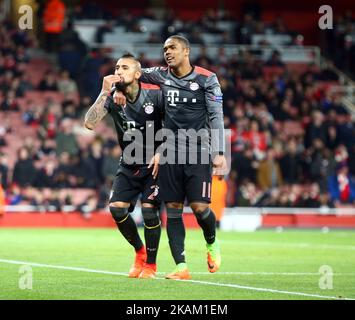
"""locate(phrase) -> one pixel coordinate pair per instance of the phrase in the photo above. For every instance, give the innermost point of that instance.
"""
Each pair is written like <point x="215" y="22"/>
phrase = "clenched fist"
<point x="109" y="81"/>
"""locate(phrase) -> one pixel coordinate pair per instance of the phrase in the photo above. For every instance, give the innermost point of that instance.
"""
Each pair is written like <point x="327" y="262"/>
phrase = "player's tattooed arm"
<point x="96" y="112"/>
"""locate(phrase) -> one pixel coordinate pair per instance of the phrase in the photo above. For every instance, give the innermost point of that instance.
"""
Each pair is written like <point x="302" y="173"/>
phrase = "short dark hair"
<point x="132" y="57"/>
<point x="128" y="55"/>
<point x="181" y="39"/>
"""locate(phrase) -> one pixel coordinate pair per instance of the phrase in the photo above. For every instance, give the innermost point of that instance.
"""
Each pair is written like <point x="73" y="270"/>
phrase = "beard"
<point x="121" y="86"/>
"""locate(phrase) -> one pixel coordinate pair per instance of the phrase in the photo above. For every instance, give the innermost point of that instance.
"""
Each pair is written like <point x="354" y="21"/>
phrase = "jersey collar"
<point x="185" y="76"/>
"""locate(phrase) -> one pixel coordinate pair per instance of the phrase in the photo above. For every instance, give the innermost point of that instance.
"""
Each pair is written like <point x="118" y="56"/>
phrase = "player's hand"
<point x="219" y="166"/>
<point x="108" y="82"/>
<point x="155" y="163"/>
<point x="119" y="98"/>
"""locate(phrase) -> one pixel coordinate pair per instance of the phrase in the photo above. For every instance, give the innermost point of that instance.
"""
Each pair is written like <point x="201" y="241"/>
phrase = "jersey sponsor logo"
<point x="129" y="125"/>
<point x="173" y="96"/>
<point x="194" y="86"/>
<point x="167" y="83"/>
<point x="148" y="107"/>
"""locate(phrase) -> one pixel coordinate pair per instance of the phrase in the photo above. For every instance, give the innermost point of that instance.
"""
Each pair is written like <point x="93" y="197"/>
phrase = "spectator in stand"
<point x="66" y="85"/>
<point x="96" y="158"/>
<point x="245" y="165"/>
<point x="311" y="197"/>
<point x="10" y="103"/>
<point x="110" y="163"/>
<point x="342" y="186"/>
<point x="45" y="176"/>
<point x="65" y="139"/>
<point x="245" y="29"/>
<point x="3" y="142"/>
<point x="316" y="129"/>
<point x="107" y="27"/>
<point x="275" y="60"/>
<point x="69" y="110"/>
<point x="72" y="51"/>
<point x="63" y="171"/>
<point x="290" y="164"/>
<point x="325" y="201"/>
<point x="2" y="200"/>
<point x="84" y="105"/>
<point x="247" y="194"/>
<point x="47" y="149"/>
<point x="24" y="171"/>
<point x="91" y="76"/>
<point x="250" y="69"/>
<point x="14" y="195"/>
<point x="4" y="170"/>
<point x="53" y="23"/>
<point x="269" y="172"/>
<point x="49" y="83"/>
<point x="256" y="139"/>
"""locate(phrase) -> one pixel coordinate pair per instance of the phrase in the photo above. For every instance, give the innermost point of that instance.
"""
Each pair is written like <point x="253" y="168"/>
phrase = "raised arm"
<point x="98" y="111"/>
<point x="152" y="75"/>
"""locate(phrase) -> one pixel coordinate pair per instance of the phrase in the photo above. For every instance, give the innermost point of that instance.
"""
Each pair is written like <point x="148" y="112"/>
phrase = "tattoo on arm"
<point x="97" y="111"/>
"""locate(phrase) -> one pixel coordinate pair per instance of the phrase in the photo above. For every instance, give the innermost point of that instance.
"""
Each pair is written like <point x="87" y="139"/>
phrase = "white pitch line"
<point x="293" y="245"/>
<point x="267" y="273"/>
<point x="188" y="281"/>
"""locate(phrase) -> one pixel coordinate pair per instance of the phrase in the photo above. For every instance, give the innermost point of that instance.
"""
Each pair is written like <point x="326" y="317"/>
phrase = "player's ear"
<point x="187" y="51"/>
<point x="138" y="74"/>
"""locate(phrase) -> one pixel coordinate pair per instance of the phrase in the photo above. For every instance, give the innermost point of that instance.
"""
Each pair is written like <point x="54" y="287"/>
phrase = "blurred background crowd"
<point x="292" y="138"/>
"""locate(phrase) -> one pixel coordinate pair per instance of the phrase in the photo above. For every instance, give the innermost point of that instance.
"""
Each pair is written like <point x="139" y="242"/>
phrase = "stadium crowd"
<point x="292" y="140"/>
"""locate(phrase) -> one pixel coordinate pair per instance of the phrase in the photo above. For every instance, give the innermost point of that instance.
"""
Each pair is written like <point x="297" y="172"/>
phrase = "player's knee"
<point x="149" y="213"/>
<point x="118" y="214"/>
<point x="199" y="208"/>
<point x="151" y="218"/>
<point x="202" y="215"/>
<point x="174" y="213"/>
<point x="174" y="205"/>
<point x="148" y="205"/>
<point x="119" y="204"/>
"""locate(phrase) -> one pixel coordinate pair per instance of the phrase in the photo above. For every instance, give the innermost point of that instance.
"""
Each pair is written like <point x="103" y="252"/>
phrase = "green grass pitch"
<point x="260" y="265"/>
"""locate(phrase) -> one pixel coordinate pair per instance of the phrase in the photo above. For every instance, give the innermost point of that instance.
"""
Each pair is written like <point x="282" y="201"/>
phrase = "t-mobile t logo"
<point x="173" y="96"/>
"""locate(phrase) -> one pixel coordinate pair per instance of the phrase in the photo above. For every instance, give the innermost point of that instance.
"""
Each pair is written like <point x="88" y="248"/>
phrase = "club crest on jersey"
<point x="148" y="107"/>
<point x="194" y="86"/>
